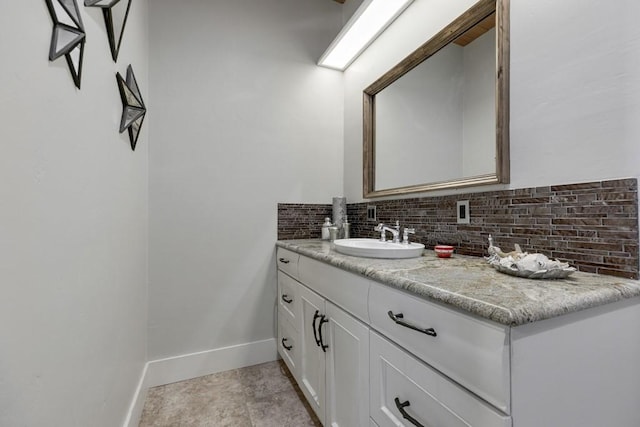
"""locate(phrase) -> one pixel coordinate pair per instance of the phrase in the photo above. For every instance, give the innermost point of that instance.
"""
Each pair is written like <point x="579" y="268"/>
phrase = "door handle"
<point x="323" y="319"/>
<point x="396" y="318"/>
<point x="284" y="260"/>
<point x="316" y="316"/>
<point x="404" y="413"/>
<point x="287" y="347"/>
<point x="286" y="299"/>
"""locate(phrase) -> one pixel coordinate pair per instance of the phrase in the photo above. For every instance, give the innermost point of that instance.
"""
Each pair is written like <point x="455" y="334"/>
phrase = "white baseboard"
<point x="137" y="403"/>
<point x="187" y="366"/>
<point x="179" y="368"/>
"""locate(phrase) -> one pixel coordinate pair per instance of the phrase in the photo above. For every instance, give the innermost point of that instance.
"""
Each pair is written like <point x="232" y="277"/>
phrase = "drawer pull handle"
<point x="396" y="317"/>
<point x="284" y="260"/>
<point x="316" y="316"/>
<point x="286" y="299"/>
<point x="286" y="347"/>
<point x="323" y="319"/>
<point x="404" y="413"/>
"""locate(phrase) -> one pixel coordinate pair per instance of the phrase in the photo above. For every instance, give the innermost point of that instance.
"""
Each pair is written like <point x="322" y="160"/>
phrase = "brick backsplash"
<point x="301" y="221"/>
<point x="593" y="226"/>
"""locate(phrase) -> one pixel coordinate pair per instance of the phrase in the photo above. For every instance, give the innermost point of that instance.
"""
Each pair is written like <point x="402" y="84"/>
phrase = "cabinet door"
<point x="347" y="364"/>
<point x="288" y="344"/>
<point x="288" y="262"/>
<point x="470" y="351"/>
<point x="288" y="304"/>
<point x="407" y="392"/>
<point x="311" y="367"/>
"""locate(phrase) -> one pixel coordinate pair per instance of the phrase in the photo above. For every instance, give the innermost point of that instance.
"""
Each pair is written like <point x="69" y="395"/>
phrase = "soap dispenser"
<point x="346" y="228"/>
<point x="325" y="228"/>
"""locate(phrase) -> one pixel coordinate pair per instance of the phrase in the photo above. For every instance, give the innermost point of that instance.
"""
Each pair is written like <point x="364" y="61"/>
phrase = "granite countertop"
<point x="470" y="284"/>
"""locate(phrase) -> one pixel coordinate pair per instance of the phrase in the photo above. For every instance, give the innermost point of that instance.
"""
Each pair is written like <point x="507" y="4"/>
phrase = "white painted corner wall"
<point x="244" y="119"/>
<point x="237" y="107"/>
<point x="73" y="225"/>
<point x="575" y="88"/>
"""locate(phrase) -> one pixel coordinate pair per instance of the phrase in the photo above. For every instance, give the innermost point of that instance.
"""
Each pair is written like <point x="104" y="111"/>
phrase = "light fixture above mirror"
<point x="366" y="24"/>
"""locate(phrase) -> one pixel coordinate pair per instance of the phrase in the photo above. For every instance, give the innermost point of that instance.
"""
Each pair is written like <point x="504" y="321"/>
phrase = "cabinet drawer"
<point x="288" y="262"/>
<point x="289" y="344"/>
<point x="347" y="290"/>
<point x="403" y="387"/>
<point x="473" y="352"/>
<point x="288" y="298"/>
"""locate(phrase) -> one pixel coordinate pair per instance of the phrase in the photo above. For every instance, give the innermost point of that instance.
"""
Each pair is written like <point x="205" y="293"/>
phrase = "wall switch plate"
<point x="371" y="213"/>
<point x="462" y="212"/>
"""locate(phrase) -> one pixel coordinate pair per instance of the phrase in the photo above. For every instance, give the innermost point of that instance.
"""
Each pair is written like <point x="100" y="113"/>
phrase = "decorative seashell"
<point x="523" y="264"/>
<point x="532" y="262"/>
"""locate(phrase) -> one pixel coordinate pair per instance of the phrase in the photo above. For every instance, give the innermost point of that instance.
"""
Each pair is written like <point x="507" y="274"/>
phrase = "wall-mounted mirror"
<point x="440" y="118"/>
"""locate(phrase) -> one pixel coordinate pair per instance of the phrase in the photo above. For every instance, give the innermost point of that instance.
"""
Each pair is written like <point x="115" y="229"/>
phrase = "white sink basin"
<point x="374" y="248"/>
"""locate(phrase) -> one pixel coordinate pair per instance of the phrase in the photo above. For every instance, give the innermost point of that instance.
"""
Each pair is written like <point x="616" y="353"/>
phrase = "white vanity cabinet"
<point x="334" y="373"/>
<point x="288" y="319"/>
<point x="351" y="375"/>
<point x="405" y="391"/>
<point x="472" y="352"/>
<point x="371" y="354"/>
<point x="332" y="366"/>
<point x="347" y="370"/>
<point x="288" y="309"/>
<point x="311" y="376"/>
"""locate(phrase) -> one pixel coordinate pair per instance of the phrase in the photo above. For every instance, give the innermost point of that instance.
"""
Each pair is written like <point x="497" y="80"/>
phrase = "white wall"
<point x="73" y="226"/>
<point x="244" y="119"/>
<point x="575" y="88"/>
<point x="575" y="91"/>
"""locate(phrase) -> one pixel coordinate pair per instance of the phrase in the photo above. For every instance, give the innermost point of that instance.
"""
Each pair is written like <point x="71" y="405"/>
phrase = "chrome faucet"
<point x="405" y="235"/>
<point x="395" y="231"/>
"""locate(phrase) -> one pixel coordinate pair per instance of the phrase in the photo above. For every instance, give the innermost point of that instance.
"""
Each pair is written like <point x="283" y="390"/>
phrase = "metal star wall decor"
<point x="115" y="14"/>
<point x="133" y="108"/>
<point x="68" y="36"/>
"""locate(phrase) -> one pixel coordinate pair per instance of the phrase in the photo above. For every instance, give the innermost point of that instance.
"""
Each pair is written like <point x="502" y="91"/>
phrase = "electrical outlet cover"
<point x="462" y="212"/>
<point x="371" y="213"/>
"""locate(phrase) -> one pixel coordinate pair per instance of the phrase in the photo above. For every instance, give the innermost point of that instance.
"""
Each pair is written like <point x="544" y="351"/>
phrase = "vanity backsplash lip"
<point x="471" y="285"/>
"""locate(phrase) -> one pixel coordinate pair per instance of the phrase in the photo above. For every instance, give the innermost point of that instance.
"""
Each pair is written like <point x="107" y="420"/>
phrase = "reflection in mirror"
<point x="74" y="61"/>
<point x="133" y="108"/>
<point x="68" y="36"/>
<point x="67" y="13"/>
<point x="115" y="14"/>
<point x="100" y="3"/>
<point x="119" y="19"/>
<point x="65" y="39"/>
<point x="439" y="118"/>
<point x="74" y="57"/>
<point x="437" y="122"/>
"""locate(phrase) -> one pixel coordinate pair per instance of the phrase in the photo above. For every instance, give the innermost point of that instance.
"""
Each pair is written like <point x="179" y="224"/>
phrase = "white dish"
<point x="374" y="248"/>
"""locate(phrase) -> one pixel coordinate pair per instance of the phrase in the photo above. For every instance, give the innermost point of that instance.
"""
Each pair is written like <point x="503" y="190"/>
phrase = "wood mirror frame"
<point x="455" y="29"/>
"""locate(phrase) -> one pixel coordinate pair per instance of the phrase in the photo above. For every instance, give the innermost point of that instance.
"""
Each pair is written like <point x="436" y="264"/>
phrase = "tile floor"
<point x="257" y="396"/>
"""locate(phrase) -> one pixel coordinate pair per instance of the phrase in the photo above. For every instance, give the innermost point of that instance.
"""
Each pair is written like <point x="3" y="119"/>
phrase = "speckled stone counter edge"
<point x="497" y="297"/>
